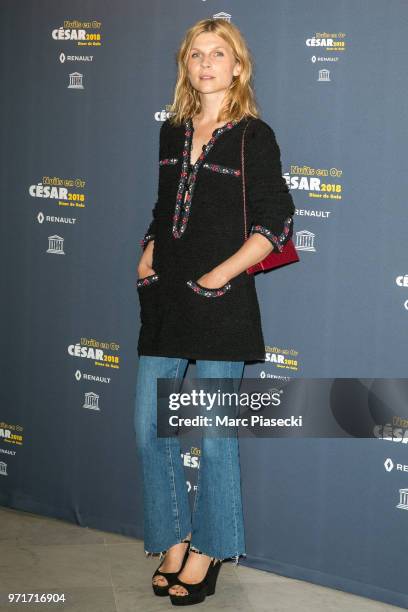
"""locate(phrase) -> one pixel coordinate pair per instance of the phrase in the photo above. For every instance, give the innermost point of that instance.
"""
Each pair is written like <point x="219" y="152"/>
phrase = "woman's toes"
<point x="160" y="581"/>
<point x="177" y="589"/>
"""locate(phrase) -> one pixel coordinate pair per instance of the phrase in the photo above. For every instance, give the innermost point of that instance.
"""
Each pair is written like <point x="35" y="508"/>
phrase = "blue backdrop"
<point x="85" y="90"/>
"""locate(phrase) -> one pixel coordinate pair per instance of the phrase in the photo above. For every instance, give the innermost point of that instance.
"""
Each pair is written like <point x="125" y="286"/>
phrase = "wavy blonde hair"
<point x="239" y="100"/>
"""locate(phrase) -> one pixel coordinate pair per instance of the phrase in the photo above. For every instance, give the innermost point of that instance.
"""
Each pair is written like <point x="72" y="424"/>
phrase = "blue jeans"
<point x="216" y="523"/>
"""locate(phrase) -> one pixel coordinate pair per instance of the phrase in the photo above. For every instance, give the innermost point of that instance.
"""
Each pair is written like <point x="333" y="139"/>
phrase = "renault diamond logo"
<point x="388" y="464"/>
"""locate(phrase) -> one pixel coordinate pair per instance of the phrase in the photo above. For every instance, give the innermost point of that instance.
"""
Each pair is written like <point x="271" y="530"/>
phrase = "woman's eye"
<point x="195" y="53"/>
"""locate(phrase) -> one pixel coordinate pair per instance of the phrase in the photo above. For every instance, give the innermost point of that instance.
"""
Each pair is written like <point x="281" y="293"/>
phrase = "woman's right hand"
<point x="144" y="267"/>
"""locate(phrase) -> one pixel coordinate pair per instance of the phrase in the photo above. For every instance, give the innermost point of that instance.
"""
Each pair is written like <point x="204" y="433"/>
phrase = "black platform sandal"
<point x="162" y="590"/>
<point x="197" y="592"/>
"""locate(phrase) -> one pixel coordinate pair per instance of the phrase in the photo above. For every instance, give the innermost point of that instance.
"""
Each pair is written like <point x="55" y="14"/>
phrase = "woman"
<point x="197" y="300"/>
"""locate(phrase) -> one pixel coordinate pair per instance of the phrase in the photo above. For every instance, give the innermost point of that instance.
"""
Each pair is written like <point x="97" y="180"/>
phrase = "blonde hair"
<point x="239" y="100"/>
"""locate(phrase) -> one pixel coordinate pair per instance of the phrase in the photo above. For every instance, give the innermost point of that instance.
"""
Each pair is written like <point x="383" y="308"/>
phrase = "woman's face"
<point x="211" y="64"/>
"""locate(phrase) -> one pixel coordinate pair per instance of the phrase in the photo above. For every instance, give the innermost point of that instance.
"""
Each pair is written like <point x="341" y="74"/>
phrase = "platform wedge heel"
<point x="197" y="592"/>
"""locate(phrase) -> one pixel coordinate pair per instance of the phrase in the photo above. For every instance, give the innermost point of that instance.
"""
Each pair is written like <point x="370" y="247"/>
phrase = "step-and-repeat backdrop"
<point x="85" y="89"/>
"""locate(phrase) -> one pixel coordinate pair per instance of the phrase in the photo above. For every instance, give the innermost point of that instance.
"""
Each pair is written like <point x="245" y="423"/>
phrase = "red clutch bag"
<point x="288" y="255"/>
<point x="274" y="259"/>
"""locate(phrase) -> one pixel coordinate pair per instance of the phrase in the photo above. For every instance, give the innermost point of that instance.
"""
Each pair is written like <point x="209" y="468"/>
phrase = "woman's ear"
<point x="237" y="68"/>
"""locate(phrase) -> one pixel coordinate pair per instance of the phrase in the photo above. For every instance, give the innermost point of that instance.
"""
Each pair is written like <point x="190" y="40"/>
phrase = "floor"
<point x="104" y="572"/>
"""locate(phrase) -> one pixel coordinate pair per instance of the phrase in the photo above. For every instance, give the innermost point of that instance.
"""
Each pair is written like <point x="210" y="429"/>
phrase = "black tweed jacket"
<point x="198" y="222"/>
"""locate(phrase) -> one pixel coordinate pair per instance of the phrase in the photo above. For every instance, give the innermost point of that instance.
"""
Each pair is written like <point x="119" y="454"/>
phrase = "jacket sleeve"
<point x="151" y="230"/>
<point x="270" y="206"/>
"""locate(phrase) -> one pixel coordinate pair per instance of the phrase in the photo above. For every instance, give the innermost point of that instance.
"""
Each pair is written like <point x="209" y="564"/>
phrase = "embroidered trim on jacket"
<point x="168" y="161"/>
<point x="143" y="242"/>
<point x="206" y="292"/>
<point x="222" y="169"/>
<point x="188" y="179"/>
<point x="278" y="241"/>
<point x="148" y="280"/>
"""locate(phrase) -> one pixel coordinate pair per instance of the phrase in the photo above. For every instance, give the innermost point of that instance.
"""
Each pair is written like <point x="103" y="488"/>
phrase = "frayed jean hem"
<point x="193" y="548"/>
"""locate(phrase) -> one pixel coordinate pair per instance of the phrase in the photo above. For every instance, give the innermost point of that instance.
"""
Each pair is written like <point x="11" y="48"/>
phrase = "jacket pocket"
<point x="212" y="292"/>
<point x="168" y="161"/>
<point x="222" y="169"/>
<point x="149" y="292"/>
<point x="147" y="281"/>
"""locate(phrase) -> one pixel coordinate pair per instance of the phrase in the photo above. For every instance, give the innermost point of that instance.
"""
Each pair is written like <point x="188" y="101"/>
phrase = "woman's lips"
<point x="205" y="78"/>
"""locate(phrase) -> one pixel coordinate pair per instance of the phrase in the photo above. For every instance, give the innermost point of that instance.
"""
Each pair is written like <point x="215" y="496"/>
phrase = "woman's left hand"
<point x="212" y="280"/>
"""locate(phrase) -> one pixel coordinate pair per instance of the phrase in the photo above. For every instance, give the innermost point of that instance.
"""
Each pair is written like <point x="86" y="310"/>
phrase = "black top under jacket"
<point x="179" y="317"/>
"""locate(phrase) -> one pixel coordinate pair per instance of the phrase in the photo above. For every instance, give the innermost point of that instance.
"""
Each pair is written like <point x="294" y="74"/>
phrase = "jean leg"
<point x="217" y="519"/>
<point x="166" y="508"/>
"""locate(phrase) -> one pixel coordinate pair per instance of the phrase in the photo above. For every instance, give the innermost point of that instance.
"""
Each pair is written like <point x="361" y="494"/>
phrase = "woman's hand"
<point x="145" y="264"/>
<point x="251" y="252"/>
<point x="212" y="280"/>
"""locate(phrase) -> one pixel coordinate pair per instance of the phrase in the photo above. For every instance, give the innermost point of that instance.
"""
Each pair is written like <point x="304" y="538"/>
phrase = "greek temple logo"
<point x="91" y="401"/>
<point x="56" y="245"/>
<point x="222" y="15"/>
<point x="305" y="241"/>
<point x="324" y="75"/>
<point x="75" y="80"/>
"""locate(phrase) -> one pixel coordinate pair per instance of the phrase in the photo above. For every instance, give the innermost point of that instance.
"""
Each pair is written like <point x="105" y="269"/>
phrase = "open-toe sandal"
<point x="197" y="592"/>
<point x="163" y="589"/>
